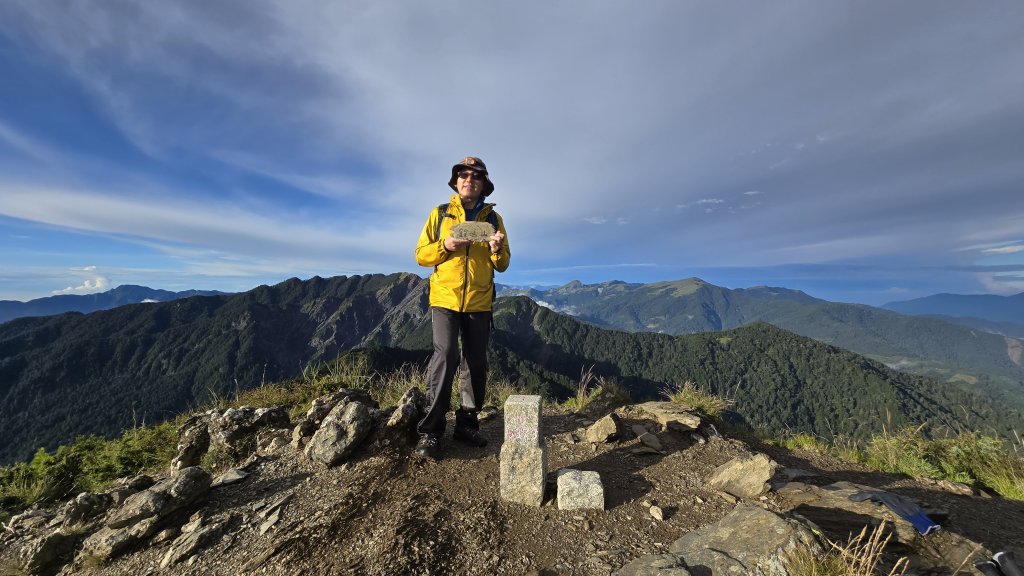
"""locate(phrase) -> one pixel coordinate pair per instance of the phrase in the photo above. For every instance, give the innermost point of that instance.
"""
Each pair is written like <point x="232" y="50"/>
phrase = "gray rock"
<point x="340" y="433"/>
<point x="270" y="441"/>
<point x="145" y="504"/>
<point x="604" y="430"/>
<point x="82" y="508"/>
<point x="830" y="508"/>
<point x="189" y="543"/>
<point x="320" y="408"/>
<point x="409" y="410"/>
<point x="580" y="490"/>
<point x="672" y="416"/>
<point x="193" y="441"/>
<point x="749" y="540"/>
<point x="140" y="514"/>
<point x="651" y="441"/>
<point x="235" y="424"/>
<point x="49" y="553"/>
<point x="655" y="565"/>
<point x="744" y="477"/>
<point x="109" y="542"/>
<point x="230" y="477"/>
<point x="121" y="489"/>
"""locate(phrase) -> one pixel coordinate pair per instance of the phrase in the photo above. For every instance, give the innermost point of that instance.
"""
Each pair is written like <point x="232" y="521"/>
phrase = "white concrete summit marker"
<point x="523" y="463"/>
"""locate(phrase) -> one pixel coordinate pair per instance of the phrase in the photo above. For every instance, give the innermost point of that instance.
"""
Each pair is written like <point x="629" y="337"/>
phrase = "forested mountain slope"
<point x="74" y="374"/>
<point x="971" y="358"/>
<point x="780" y="381"/>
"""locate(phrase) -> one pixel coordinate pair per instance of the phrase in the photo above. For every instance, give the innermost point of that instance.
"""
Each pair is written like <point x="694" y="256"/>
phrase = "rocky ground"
<point x="384" y="511"/>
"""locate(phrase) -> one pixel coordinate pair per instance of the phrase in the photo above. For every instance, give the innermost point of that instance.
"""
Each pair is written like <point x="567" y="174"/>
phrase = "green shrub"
<point x="968" y="457"/>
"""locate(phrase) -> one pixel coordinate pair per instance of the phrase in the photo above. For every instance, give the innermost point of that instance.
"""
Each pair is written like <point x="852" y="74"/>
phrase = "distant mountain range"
<point x="61" y="376"/>
<point x="999" y="314"/>
<point x="85" y="303"/>
<point x="970" y="358"/>
<point x="983" y="306"/>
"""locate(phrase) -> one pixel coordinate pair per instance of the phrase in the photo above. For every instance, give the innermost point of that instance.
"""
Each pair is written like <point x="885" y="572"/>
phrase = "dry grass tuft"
<point x="858" y="557"/>
<point x="687" y="394"/>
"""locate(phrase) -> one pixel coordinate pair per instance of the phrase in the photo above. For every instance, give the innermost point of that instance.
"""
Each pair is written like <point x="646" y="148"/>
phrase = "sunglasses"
<point x="470" y="174"/>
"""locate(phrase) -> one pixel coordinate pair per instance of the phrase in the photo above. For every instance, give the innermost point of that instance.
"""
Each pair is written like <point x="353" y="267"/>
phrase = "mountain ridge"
<point x="85" y="303"/>
<point x="923" y="345"/>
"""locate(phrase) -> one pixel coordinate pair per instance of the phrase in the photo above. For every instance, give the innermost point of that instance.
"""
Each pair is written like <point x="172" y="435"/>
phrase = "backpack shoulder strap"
<point x="442" y="213"/>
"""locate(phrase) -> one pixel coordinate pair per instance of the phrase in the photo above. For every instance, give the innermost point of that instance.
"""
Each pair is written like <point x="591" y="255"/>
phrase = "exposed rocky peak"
<point x="373" y="508"/>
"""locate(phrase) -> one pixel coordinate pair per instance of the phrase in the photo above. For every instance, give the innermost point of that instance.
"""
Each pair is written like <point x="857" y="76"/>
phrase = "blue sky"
<point x="860" y="151"/>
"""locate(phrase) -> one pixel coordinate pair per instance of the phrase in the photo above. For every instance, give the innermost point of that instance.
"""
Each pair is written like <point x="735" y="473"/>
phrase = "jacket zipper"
<point x="465" y="273"/>
<point x="465" y="281"/>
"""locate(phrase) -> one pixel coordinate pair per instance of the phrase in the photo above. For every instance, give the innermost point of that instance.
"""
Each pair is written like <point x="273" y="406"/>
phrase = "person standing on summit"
<point x="461" y="297"/>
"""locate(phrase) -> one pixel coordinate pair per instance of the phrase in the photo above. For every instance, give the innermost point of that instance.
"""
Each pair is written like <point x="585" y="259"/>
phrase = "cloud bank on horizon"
<point x="860" y="151"/>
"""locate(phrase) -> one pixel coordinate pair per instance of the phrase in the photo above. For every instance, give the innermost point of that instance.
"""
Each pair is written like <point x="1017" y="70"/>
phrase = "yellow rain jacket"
<point x="462" y="280"/>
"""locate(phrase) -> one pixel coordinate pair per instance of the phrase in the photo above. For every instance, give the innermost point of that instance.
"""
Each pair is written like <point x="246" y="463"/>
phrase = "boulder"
<point x="49" y="553"/>
<point x="270" y="441"/>
<point x="121" y="489"/>
<point x="744" y="477"/>
<point x="830" y="508"/>
<point x="232" y="476"/>
<point x="139" y="515"/>
<point x="580" y="490"/>
<point x="190" y="542"/>
<point x="749" y="539"/>
<point x="81" y="509"/>
<point x="235" y="424"/>
<point x="320" y="408"/>
<point x="193" y="441"/>
<point x="672" y="416"/>
<point x="340" y="433"/>
<point x="109" y="542"/>
<point x="604" y="430"/>
<point x="408" y="412"/>
<point x="655" y="565"/>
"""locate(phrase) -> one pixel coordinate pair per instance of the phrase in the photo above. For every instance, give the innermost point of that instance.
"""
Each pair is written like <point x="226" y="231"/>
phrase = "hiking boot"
<point x="470" y="437"/>
<point x="429" y="446"/>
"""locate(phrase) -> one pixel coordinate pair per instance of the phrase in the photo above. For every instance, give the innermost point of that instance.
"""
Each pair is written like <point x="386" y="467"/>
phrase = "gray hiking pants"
<point x="475" y="329"/>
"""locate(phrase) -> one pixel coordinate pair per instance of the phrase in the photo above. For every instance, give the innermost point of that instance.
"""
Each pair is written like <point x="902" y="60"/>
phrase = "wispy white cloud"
<point x="1005" y="284"/>
<point x="1004" y="249"/>
<point x="365" y="107"/>
<point x="91" y="284"/>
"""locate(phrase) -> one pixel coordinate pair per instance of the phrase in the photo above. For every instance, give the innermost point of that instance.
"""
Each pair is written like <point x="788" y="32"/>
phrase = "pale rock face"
<point x="139" y="515"/>
<point x="237" y="423"/>
<point x="749" y="540"/>
<point x="744" y="477"/>
<point x="604" y="430"/>
<point x="341" y="432"/>
<point x="671" y="416"/>
<point x="580" y="490"/>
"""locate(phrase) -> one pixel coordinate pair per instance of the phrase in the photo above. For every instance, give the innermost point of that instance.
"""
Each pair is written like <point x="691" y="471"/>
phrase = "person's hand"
<point x="496" y="241"/>
<point x="452" y="244"/>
